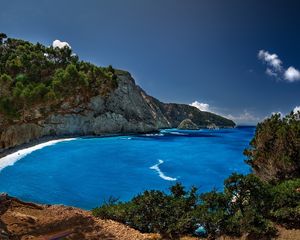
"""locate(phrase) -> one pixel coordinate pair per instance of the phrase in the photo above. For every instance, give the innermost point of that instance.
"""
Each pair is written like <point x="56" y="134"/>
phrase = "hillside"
<point x="49" y="92"/>
<point x="176" y="113"/>
<point x="21" y="220"/>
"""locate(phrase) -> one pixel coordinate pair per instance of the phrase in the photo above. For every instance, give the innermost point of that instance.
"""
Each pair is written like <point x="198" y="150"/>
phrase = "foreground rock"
<point x="187" y="124"/>
<point x="20" y="220"/>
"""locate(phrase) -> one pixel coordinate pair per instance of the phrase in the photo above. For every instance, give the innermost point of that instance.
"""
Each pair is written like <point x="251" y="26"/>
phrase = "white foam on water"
<point x="126" y="138"/>
<point x="177" y="133"/>
<point x="11" y="159"/>
<point x="160" y="173"/>
<point x="153" y="134"/>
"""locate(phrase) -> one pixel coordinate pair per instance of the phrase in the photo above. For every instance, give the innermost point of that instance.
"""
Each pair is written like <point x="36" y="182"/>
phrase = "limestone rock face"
<point x="124" y="111"/>
<point x="127" y="109"/>
<point x="175" y="113"/>
<point x="188" y="125"/>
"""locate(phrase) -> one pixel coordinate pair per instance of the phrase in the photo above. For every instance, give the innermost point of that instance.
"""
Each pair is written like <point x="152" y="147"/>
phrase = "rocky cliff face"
<point x="176" y="113"/>
<point x="128" y="109"/>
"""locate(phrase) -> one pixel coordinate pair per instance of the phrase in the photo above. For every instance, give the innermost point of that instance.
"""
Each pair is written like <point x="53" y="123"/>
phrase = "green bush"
<point x="274" y="152"/>
<point x="286" y="203"/>
<point x="212" y="213"/>
<point x="154" y="211"/>
<point x="245" y="206"/>
<point x="33" y="74"/>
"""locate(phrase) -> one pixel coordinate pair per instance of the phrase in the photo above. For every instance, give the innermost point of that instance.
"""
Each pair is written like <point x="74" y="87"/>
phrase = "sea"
<point x="86" y="172"/>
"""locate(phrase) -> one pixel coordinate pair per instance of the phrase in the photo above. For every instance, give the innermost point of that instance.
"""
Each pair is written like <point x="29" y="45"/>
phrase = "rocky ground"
<point x="27" y="221"/>
<point x="20" y="220"/>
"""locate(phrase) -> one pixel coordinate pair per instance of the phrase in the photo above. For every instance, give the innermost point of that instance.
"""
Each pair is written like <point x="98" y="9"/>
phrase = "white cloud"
<point x="59" y="44"/>
<point x="201" y="106"/>
<point x="271" y="59"/>
<point x="296" y="109"/>
<point x="275" y="68"/>
<point x="292" y="74"/>
<point x="271" y="73"/>
<point x="244" y="118"/>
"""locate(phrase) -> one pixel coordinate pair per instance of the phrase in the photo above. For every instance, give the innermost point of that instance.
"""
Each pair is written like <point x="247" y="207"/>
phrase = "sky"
<point x="237" y="58"/>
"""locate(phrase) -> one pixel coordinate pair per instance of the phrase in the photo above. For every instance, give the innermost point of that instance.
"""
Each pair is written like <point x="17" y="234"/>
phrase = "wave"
<point x="126" y="138"/>
<point x="160" y="173"/>
<point x="153" y="134"/>
<point x="11" y="159"/>
<point x="178" y="133"/>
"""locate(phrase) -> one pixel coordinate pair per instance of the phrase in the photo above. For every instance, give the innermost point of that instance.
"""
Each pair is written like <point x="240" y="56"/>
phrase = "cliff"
<point x="123" y="111"/>
<point x="49" y="92"/>
<point x="127" y="109"/>
<point x="175" y="113"/>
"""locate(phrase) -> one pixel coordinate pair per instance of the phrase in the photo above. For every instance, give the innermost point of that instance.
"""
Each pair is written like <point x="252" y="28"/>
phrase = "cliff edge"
<point x="49" y="92"/>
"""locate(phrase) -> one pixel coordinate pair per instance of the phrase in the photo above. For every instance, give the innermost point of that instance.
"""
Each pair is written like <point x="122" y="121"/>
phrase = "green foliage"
<point x="247" y="205"/>
<point x="6" y="106"/>
<point x="113" y="209"/>
<point x="247" y="192"/>
<point x="34" y="76"/>
<point x="110" y="69"/>
<point x="155" y="211"/>
<point x="286" y="203"/>
<point x="274" y="152"/>
<point x="6" y="83"/>
<point x="212" y="212"/>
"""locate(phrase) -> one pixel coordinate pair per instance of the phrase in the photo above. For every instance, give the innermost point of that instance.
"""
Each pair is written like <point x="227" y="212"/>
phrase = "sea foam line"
<point x="11" y="159"/>
<point x="160" y="173"/>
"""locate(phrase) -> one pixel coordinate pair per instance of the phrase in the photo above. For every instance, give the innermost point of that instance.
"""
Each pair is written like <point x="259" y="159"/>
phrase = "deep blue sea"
<point x="86" y="171"/>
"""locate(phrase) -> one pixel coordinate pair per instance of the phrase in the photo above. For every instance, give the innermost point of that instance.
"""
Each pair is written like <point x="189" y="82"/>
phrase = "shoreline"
<point x="44" y="139"/>
<point x="11" y="159"/>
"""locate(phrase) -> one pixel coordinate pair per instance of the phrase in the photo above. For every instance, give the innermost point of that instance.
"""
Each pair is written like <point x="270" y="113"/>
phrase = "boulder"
<point x="188" y="124"/>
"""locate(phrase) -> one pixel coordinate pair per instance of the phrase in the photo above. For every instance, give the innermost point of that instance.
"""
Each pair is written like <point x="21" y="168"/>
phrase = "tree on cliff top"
<point x="274" y="152"/>
<point x="36" y="77"/>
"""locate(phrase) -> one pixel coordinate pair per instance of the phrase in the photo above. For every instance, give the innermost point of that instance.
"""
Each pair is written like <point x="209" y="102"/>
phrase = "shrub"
<point x="286" y="203"/>
<point x="33" y="73"/>
<point x="274" y="152"/>
<point x="154" y="211"/>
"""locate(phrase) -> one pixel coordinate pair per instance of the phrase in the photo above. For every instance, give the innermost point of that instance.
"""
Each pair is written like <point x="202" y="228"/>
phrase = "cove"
<point x="85" y="172"/>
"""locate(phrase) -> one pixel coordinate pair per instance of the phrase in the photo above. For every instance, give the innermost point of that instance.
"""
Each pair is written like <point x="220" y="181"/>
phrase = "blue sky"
<point x="237" y="58"/>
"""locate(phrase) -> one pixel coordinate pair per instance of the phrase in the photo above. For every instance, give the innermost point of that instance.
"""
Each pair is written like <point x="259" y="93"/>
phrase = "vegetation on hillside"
<point x="37" y="79"/>
<point x="274" y="152"/>
<point x="247" y="205"/>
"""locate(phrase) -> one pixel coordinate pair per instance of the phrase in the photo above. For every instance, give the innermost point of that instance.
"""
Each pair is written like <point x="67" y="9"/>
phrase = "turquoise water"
<point x="87" y="171"/>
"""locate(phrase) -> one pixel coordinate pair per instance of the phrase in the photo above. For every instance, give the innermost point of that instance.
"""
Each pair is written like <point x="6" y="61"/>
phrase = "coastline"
<point x="44" y="139"/>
